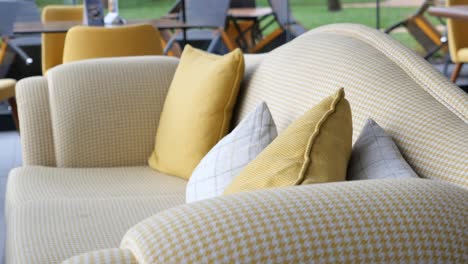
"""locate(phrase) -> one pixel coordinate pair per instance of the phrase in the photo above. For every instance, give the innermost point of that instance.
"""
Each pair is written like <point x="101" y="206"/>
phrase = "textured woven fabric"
<point x="53" y="214"/>
<point x="315" y="148"/>
<point x="197" y="111"/>
<point x="385" y="221"/>
<point x="7" y="88"/>
<point x="375" y="156"/>
<point x="107" y="256"/>
<point x="426" y="115"/>
<point x="227" y="158"/>
<point x="37" y="142"/>
<point x="105" y="113"/>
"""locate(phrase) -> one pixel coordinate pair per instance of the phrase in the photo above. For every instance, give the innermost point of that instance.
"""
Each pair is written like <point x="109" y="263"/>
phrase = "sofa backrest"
<point x="425" y="114"/>
<point x="103" y="112"/>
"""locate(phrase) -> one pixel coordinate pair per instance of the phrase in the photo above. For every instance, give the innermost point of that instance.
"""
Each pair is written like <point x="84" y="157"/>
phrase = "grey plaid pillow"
<point x="232" y="153"/>
<point x="376" y="156"/>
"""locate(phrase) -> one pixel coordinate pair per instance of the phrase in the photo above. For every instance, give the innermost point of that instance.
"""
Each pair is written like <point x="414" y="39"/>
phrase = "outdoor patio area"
<point x="173" y="111"/>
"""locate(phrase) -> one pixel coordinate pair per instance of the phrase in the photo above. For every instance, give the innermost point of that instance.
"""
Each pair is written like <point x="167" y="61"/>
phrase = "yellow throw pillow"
<point x="197" y="111"/>
<point x="313" y="149"/>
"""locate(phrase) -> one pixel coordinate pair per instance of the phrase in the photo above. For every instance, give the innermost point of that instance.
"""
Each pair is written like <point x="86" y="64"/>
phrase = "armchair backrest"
<point x="457" y="31"/>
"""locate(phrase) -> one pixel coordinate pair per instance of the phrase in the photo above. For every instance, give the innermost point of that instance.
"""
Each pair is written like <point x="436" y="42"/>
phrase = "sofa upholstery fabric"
<point x="381" y="221"/>
<point x="106" y="114"/>
<point x="426" y="115"/>
<point x="53" y="214"/>
<point x="108" y="256"/>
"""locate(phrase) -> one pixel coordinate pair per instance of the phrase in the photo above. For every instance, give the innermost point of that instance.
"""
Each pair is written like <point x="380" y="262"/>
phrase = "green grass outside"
<point x="310" y="13"/>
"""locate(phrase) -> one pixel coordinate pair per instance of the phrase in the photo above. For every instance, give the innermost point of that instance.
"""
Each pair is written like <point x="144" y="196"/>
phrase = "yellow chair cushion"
<point x="463" y="55"/>
<point x="197" y="111"/>
<point x="7" y="88"/>
<point x="313" y="149"/>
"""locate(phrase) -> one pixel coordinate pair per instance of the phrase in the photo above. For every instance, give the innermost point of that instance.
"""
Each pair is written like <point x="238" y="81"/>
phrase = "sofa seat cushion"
<point x="53" y="214"/>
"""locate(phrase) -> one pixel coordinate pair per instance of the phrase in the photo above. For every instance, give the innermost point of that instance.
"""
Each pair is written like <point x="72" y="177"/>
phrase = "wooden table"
<point x="250" y="12"/>
<point x="454" y="12"/>
<point x="64" y="26"/>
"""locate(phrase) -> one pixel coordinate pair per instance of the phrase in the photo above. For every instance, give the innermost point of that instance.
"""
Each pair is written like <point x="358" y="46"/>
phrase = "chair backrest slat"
<point x="282" y="11"/>
<point x="207" y="12"/>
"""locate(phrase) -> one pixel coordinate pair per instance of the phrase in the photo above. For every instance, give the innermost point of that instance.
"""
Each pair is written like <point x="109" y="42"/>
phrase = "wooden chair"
<point x="212" y="13"/>
<point x="288" y="28"/>
<point x="83" y="42"/>
<point x="458" y="40"/>
<point x="423" y="31"/>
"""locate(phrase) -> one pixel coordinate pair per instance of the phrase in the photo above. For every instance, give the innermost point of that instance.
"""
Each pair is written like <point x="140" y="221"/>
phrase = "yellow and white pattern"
<point x="426" y="115"/>
<point x="108" y="256"/>
<point x="64" y="210"/>
<point x="384" y="221"/>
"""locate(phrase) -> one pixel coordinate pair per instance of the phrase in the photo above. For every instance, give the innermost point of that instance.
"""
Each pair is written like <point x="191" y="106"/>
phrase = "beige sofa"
<point x="89" y="128"/>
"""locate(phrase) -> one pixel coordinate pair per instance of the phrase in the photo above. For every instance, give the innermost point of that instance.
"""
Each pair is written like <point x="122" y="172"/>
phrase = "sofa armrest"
<point x="105" y="256"/>
<point x="412" y="220"/>
<point x="32" y="96"/>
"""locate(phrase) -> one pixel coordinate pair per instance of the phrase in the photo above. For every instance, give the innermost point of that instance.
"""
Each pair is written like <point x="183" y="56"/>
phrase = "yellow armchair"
<point x="83" y="42"/>
<point x="52" y="43"/>
<point x="7" y="92"/>
<point x="458" y="40"/>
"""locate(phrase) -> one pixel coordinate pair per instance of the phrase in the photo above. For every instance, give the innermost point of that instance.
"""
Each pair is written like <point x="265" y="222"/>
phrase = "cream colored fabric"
<point x="425" y="114"/>
<point x="105" y="112"/>
<point x="7" y="88"/>
<point x="37" y="142"/>
<point x="107" y="256"/>
<point x="385" y="221"/>
<point x="53" y="214"/>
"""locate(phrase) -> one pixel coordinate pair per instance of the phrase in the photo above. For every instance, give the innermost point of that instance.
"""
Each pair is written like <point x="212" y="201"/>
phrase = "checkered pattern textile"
<point x="105" y="114"/>
<point x="384" y="221"/>
<point x="37" y="142"/>
<point x="230" y="156"/>
<point x="107" y="256"/>
<point x="375" y="156"/>
<point x="53" y="214"/>
<point x="425" y="114"/>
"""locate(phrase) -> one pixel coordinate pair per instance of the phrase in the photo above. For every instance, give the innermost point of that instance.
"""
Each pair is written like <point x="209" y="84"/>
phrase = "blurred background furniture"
<point x="83" y="42"/>
<point x="242" y="3"/>
<point x="457" y="29"/>
<point x="245" y="27"/>
<point x="288" y="28"/>
<point x="212" y="13"/>
<point x="53" y="43"/>
<point x="422" y="30"/>
<point x="7" y="93"/>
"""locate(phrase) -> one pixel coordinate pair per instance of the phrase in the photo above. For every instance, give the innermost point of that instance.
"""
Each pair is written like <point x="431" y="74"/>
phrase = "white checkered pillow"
<point x="376" y="156"/>
<point x="232" y="153"/>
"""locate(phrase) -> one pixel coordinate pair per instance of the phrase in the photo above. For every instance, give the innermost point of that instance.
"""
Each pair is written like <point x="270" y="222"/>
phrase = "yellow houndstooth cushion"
<point x="406" y="221"/>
